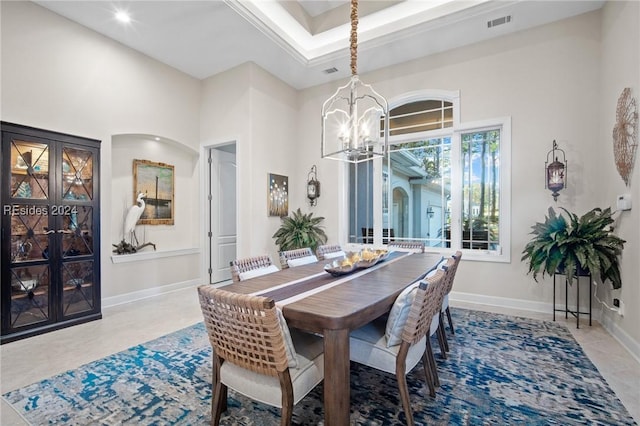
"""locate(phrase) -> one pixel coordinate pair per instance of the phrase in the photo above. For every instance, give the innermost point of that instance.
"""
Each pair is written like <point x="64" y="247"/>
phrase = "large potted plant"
<point x="575" y="246"/>
<point x="299" y="231"/>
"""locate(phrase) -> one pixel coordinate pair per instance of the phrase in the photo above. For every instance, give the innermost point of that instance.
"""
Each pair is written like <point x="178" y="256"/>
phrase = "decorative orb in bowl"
<point x="382" y="254"/>
<point x="368" y="258"/>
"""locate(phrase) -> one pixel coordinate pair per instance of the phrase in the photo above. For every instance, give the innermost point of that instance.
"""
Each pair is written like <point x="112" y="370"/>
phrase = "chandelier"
<point x="355" y="119"/>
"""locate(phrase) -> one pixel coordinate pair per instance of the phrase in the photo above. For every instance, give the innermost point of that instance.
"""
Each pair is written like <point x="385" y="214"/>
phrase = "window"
<point x="442" y="182"/>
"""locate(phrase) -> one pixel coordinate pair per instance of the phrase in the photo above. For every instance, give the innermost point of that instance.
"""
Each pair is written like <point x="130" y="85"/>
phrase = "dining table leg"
<point x="337" y="399"/>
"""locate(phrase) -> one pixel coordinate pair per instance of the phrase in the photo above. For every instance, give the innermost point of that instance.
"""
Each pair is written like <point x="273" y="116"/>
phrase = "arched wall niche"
<point x="125" y="148"/>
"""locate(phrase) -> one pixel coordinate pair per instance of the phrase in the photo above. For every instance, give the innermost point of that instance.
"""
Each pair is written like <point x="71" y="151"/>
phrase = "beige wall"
<point x="60" y="76"/>
<point x="259" y="112"/>
<point x="620" y="68"/>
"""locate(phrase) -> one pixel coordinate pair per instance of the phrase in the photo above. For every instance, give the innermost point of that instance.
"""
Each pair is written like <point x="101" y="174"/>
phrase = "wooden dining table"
<point x="315" y="301"/>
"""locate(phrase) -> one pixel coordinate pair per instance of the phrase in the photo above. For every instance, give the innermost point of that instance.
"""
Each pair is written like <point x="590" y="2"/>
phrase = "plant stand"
<point x="566" y="309"/>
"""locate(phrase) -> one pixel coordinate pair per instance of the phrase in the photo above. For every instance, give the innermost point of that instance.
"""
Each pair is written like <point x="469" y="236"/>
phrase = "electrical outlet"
<point x="621" y="309"/>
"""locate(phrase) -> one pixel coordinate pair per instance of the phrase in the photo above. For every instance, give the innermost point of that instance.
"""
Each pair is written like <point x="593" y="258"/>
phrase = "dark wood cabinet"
<point x="50" y="261"/>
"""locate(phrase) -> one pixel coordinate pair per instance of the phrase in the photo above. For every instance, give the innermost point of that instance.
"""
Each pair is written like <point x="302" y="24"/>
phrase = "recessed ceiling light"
<point x="123" y="16"/>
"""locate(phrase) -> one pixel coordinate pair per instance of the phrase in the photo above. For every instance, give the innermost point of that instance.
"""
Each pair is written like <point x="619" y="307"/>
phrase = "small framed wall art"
<point x="278" y="195"/>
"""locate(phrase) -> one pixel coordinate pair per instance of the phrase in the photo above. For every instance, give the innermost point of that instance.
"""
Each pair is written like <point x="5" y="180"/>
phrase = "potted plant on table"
<point x="575" y="246"/>
<point x="300" y="231"/>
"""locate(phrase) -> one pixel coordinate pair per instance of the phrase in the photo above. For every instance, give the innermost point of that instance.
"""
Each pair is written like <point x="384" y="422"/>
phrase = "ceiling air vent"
<point x="499" y="21"/>
<point x="330" y="70"/>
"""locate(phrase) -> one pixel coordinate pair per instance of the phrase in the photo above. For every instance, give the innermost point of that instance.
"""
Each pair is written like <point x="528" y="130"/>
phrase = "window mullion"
<point x="377" y="202"/>
<point x="456" y="191"/>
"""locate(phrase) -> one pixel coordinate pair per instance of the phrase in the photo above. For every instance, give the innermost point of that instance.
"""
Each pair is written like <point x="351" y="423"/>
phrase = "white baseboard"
<point x="504" y="302"/>
<point x="621" y="336"/>
<point x="108" y="302"/>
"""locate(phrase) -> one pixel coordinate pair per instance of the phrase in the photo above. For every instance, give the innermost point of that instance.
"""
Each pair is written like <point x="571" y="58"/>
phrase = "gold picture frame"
<point x="157" y="182"/>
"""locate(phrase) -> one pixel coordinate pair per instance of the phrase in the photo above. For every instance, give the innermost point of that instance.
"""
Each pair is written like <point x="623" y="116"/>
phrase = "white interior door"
<point x="222" y="211"/>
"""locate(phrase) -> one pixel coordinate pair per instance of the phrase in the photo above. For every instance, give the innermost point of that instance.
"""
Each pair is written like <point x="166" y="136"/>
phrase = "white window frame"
<point x="503" y="253"/>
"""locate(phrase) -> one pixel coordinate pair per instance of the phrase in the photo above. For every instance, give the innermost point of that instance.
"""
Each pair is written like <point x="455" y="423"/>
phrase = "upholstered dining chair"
<point x="297" y="257"/>
<point x="414" y="246"/>
<point x="437" y="325"/>
<point x="256" y="354"/>
<point x="329" y="251"/>
<point x="249" y="267"/>
<point x="445" y="300"/>
<point x="399" y="343"/>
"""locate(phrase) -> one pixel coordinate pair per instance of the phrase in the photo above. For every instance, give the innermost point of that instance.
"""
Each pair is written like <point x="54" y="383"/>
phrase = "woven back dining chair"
<point x="449" y="286"/>
<point x="258" y="263"/>
<point x="255" y="354"/>
<point x="374" y="345"/>
<point x="297" y="257"/>
<point x="329" y="251"/>
<point x="414" y="246"/>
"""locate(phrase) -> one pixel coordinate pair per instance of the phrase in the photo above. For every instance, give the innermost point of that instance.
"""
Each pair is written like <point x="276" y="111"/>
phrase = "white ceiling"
<point x="205" y="37"/>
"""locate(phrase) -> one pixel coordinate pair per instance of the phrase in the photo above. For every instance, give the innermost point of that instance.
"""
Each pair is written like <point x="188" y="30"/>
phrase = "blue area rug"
<point x="501" y="370"/>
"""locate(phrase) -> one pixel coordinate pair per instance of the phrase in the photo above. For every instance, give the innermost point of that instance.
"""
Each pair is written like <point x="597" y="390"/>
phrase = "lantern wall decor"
<point x="355" y="121"/>
<point x="555" y="171"/>
<point x="313" y="186"/>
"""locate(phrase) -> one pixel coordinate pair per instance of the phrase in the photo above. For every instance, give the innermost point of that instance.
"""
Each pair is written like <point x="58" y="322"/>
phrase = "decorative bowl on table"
<point x="340" y="267"/>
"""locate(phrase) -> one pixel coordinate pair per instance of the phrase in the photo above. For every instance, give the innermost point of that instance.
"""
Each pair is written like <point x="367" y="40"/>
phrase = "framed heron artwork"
<point x="156" y="181"/>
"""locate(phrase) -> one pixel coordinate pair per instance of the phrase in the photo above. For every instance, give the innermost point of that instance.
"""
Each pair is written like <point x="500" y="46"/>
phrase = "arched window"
<point x="442" y="182"/>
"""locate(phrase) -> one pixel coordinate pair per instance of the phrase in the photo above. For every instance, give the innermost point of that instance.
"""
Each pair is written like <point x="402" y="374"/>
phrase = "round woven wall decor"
<point x="625" y="134"/>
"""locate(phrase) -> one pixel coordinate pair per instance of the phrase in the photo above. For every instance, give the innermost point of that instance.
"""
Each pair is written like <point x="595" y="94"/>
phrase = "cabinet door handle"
<point x="51" y="231"/>
<point x="64" y="231"/>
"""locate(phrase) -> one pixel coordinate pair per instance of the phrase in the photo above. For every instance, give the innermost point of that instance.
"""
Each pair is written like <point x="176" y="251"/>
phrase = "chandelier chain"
<point x="354" y="37"/>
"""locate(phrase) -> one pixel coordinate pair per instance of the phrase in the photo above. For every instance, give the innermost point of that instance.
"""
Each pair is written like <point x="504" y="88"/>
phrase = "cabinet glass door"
<point x="30" y="273"/>
<point x="29" y="170"/>
<point x="77" y="174"/>
<point x="77" y="231"/>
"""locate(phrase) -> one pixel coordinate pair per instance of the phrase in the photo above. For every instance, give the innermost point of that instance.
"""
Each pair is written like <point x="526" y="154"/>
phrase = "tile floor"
<point x="30" y="360"/>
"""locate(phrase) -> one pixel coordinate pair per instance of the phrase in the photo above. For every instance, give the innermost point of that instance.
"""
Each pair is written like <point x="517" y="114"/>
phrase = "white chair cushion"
<point x="266" y="389"/>
<point x="445" y="302"/>
<point x="335" y="254"/>
<point x="257" y="272"/>
<point x="399" y="313"/>
<point x="368" y="346"/>
<point x="442" y="263"/>
<point x="301" y="261"/>
<point x="288" y="343"/>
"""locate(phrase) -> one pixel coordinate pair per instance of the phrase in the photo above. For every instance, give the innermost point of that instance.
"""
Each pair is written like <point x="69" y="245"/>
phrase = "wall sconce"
<point x="430" y="212"/>
<point x="313" y="186"/>
<point x="556" y="171"/>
